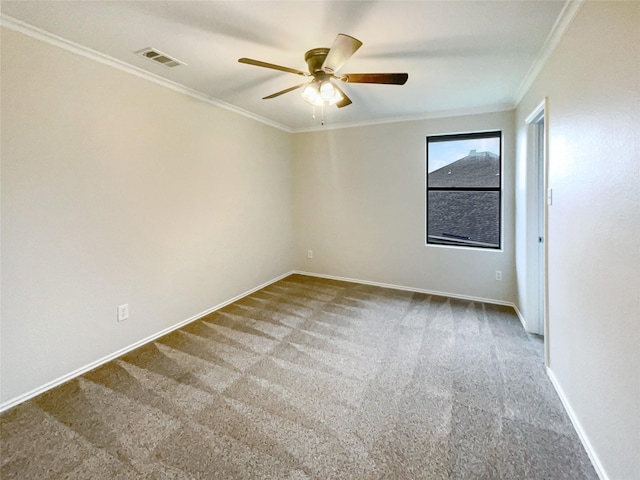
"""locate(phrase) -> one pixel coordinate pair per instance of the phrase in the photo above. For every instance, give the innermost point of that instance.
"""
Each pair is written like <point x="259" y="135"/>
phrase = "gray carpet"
<point x="310" y="379"/>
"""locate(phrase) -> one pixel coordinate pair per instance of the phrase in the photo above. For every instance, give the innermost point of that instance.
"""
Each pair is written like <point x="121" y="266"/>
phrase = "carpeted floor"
<point x="310" y="379"/>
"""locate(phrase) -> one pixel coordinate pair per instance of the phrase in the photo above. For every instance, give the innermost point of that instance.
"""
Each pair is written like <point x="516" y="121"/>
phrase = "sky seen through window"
<point x="444" y="153"/>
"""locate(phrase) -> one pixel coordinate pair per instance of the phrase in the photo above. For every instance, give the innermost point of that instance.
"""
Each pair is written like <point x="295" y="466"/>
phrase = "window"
<point x="464" y="193"/>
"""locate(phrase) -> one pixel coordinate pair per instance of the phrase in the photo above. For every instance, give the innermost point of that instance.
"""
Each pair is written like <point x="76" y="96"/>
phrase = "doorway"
<point x="540" y="196"/>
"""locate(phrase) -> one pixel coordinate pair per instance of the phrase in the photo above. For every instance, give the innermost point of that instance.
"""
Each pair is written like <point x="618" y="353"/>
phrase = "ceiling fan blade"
<point x="384" y="78"/>
<point x="345" y="100"/>
<point x="281" y="92"/>
<point x="258" y="63"/>
<point x="342" y="49"/>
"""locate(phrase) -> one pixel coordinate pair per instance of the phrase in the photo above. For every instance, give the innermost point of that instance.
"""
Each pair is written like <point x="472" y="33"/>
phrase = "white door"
<point x="537" y="241"/>
<point x="541" y="208"/>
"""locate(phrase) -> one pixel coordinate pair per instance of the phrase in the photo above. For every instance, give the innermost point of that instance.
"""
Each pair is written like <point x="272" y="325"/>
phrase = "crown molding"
<point x="564" y="20"/>
<point x="495" y="108"/>
<point x="48" y="37"/>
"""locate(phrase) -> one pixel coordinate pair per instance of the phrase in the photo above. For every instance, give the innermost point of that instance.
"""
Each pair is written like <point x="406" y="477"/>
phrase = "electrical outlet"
<point x="123" y="312"/>
<point x="498" y="275"/>
<point x="309" y="253"/>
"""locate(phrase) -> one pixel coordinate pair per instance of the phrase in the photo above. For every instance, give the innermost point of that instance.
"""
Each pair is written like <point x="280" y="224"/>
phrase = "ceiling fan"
<point x="324" y="64"/>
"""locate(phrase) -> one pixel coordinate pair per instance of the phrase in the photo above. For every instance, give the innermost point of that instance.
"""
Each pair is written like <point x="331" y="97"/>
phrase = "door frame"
<point x="540" y="195"/>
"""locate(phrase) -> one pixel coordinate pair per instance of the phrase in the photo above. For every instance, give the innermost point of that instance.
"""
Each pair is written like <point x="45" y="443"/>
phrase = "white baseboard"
<point x="65" y="378"/>
<point x="521" y="317"/>
<point x="69" y="376"/>
<point x="412" y="289"/>
<point x="597" y="465"/>
<point x="595" y="461"/>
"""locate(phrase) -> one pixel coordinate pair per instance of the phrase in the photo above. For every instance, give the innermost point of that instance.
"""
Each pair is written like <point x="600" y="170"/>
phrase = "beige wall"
<point x="592" y="82"/>
<point x="116" y="190"/>
<point x="359" y="204"/>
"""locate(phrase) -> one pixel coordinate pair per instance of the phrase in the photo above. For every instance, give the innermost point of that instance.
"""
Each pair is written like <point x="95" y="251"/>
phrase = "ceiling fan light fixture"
<point x="311" y="94"/>
<point x="320" y="94"/>
<point x="327" y="90"/>
<point x="337" y="97"/>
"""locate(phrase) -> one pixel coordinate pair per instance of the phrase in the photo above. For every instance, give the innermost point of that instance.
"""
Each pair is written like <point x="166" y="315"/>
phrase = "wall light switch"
<point x="123" y="312"/>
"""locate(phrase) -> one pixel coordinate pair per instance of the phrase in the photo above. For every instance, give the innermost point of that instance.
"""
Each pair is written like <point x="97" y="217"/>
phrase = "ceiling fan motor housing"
<point x="315" y="58"/>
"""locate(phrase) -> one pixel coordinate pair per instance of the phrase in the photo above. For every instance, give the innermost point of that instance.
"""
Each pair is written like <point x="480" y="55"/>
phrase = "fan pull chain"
<point x="313" y="114"/>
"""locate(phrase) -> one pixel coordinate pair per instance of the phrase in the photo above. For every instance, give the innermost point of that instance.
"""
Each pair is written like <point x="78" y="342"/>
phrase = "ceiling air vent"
<point x="157" y="56"/>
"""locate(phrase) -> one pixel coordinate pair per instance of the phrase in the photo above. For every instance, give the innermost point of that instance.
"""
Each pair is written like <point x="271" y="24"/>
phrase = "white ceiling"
<point x="461" y="56"/>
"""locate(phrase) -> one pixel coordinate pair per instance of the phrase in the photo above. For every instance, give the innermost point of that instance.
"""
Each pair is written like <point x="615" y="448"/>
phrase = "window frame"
<point x="453" y="242"/>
